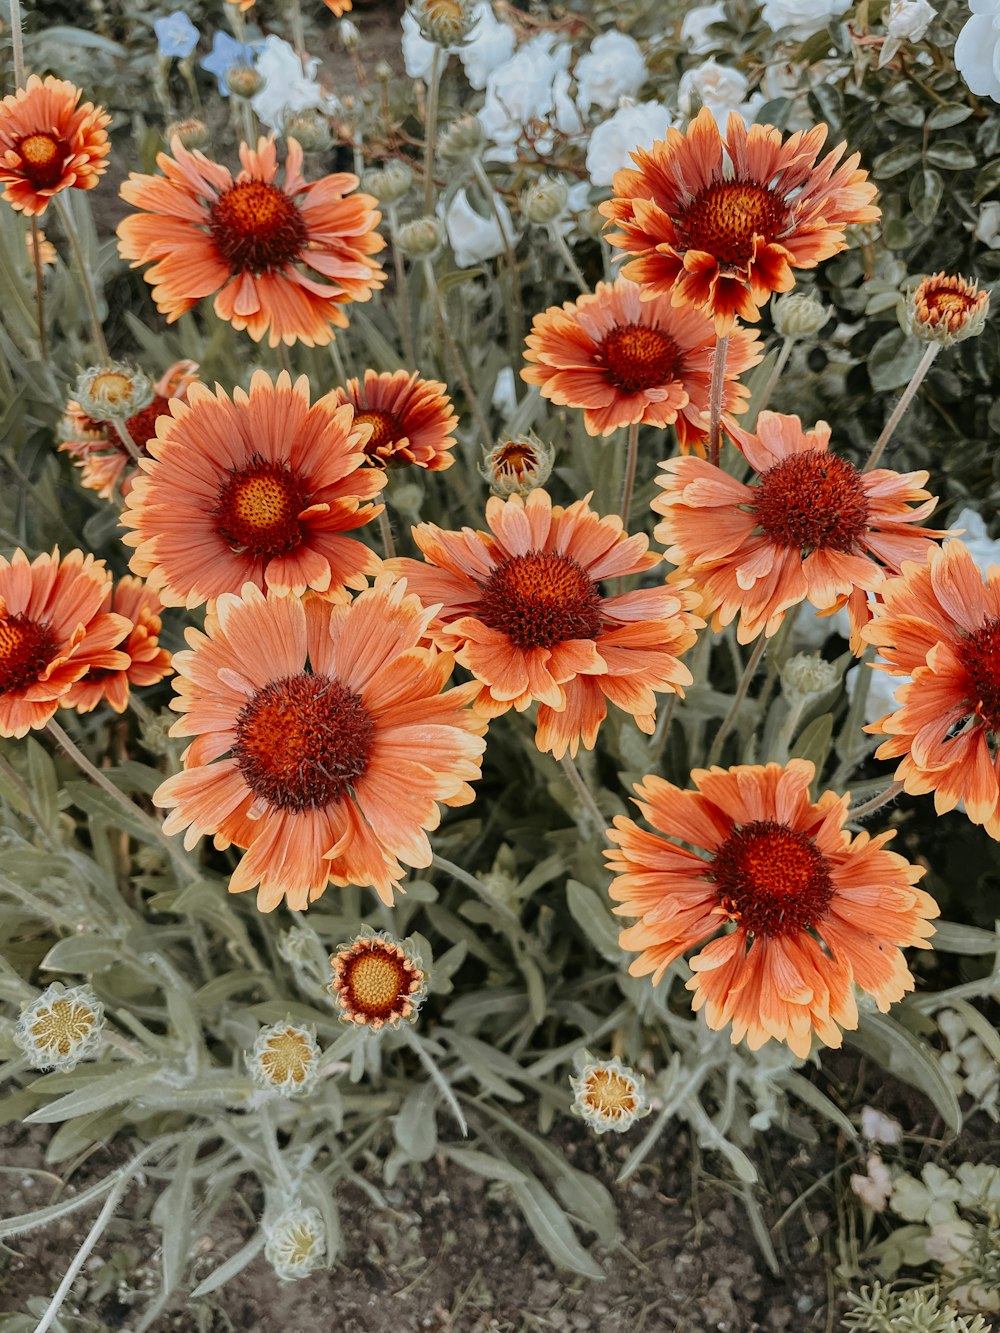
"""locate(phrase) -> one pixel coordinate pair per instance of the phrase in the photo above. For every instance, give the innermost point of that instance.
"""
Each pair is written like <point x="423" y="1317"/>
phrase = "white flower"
<point x="504" y="392"/>
<point x="988" y="227"/>
<point x="977" y="51"/>
<point x="532" y="86"/>
<point x="418" y="52"/>
<point x="614" y="67"/>
<point x="879" y="1128"/>
<point x="631" y="127"/>
<point x="694" y="29"/>
<point x="802" y="18"/>
<point x="719" y="87"/>
<point x="983" y="549"/>
<point x="812" y="629"/>
<point x="290" y="84"/>
<point x="875" y="1188"/>
<point x="489" y="45"/>
<point x="296" y="1242"/>
<point x="906" y="21"/>
<point x="474" y="237"/>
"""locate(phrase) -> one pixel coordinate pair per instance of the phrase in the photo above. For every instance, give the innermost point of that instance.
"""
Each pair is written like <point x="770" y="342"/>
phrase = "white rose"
<point x="505" y="392"/>
<point x="719" y="87"/>
<point x="694" y="29"/>
<point x="988" y="227"/>
<point x="631" y="127"/>
<point x="614" y="67"/>
<point x="802" y="17"/>
<point x="909" y="19"/>
<point x="983" y="549"/>
<point x="418" y="52"/>
<point x="531" y="86"/>
<point x="977" y="51"/>
<point x="475" y="238"/>
<point x="290" y="85"/>
<point x="490" y="43"/>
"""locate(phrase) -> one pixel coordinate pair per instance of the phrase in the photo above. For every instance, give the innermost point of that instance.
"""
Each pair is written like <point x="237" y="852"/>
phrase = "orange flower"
<point x="244" y="5"/>
<point x="377" y="981"/>
<point x="323" y="741"/>
<point x="522" y="609"/>
<point x="53" y="630"/>
<point x="940" y="625"/>
<point x="148" y="662"/>
<point x="812" y="909"/>
<point x="257" y="244"/>
<point x="811" y="526"/>
<point x="624" y="360"/>
<point x="946" y="308"/>
<point x="46" y="251"/>
<point x="723" y="235"/>
<point x="338" y="7"/>
<point x="258" y="489"/>
<point x="411" y="419"/>
<point x="48" y="143"/>
<point x="95" y="446"/>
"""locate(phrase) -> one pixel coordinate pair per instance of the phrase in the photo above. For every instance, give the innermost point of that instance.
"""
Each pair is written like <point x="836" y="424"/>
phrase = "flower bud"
<point x="945" y="309"/>
<point x="806" y="675"/>
<point x="408" y="499"/>
<point x="460" y="139"/>
<point x="799" y="315"/>
<point x="544" y="199"/>
<point x="609" y="1096"/>
<point x="389" y="182"/>
<point x="420" y="239"/>
<point x="592" y="222"/>
<point x="113" y="392"/>
<point x="444" y="22"/>
<point x="60" y="1027"/>
<point x="192" y="132"/>
<point x="518" y="465"/>
<point x="310" y="129"/>
<point x="244" y="81"/>
<point x="295" y="1242"/>
<point x="284" y="1059"/>
<point x="384" y="72"/>
<point x="349" y="34"/>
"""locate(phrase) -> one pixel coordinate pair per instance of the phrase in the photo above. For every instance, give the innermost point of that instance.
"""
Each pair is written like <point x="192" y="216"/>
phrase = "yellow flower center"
<point x="374" y="980"/>
<point x="287" y="1056"/>
<point x="724" y="219"/>
<point x="62" y="1026"/>
<point x="610" y="1094"/>
<point x="257" y="510"/>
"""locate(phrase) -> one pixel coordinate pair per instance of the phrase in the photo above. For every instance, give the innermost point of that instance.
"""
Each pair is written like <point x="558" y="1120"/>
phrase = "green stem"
<point x="17" y="42"/>
<point x="715" y="399"/>
<point x="729" y="721"/>
<point x="486" y="185"/>
<point x="561" y="244"/>
<point x="36" y="257"/>
<point x="461" y="373"/>
<point x="876" y="803"/>
<point x="631" y="460"/>
<point x="584" y="794"/>
<point x="96" y="327"/>
<point x="775" y="375"/>
<point x="385" y="532"/>
<point x="402" y="292"/>
<point x="926" y="361"/>
<point x="430" y="130"/>
<point x="125" y="435"/>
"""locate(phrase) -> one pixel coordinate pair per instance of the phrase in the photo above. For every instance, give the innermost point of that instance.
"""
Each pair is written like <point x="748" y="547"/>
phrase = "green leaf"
<point x="482" y="1164"/>
<point x="943" y="117"/>
<point x="174" y="1215"/>
<point x="43" y="782"/>
<point x="82" y="954"/>
<point x="895" y="1049"/>
<point x="901" y="158"/>
<point x="926" y="193"/>
<point x="233" y="1266"/>
<point x="552" y="1228"/>
<point x="799" y="1086"/>
<point x="97" y="802"/>
<point x="953" y="937"/>
<point x="893" y="360"/>
<point x="106" y="1090"/>
<point x="814" y="742"/>
<point x="987" y="181"/>
<point x="594" y="919"/>
<point x="415" y="1124"/>
<point x="952" y="155"/>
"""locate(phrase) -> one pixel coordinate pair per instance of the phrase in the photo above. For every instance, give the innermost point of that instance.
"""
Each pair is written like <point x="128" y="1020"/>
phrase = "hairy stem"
<point x="585" y="795"/>
<point x="430" y="129"/>
<point x="516" y="332"/>
<point x="715" y="399"/>
<point x="876" y="803"/>
<point x="385" y="532"/>
<point x="402" y="291"/>
<point x="561" y="244"/>
<point x="83" y="273"/>
<point x="729" y="721"/>
<point x="926" y="361"/>
<point x="461" y="374"/>
<point x="631" y="459"/>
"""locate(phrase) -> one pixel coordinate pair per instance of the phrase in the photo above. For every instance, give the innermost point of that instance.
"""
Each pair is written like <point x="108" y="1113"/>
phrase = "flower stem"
<point x="36" y="256"/>
<point x="775" y="375"/>
<point x="508" y="249"/>
<point x="17" y="42"/>
<point x="430" y="129"/>
<point x="715" y="399"/>
<point x="729" y="721"/>
<point x="631" y="459"/>
<point x="402" y="291"/>
<point x="876" y="803"/>
<point x="83" y="273"/>
<point x="585" y="795"/>
<point x="385" y="532"/>
<point x="909" y="392"/>
<point x="125" y="435"/>
<point x="559" y="240"/>
<point x="461" y="373"/>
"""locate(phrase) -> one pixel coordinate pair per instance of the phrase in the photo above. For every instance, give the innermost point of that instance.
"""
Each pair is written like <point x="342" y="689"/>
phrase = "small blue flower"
<point x="176" y="35"/>
<point x="227" y="52"/>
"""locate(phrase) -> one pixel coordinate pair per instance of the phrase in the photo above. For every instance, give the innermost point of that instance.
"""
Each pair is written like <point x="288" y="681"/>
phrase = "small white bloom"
<point x="719" y="87"/>
<point x="489" y="45"/>
<point x="504" y="392"/>
<point x="906" y="21"/>
<point x="614" y="67"/>
<point x="631" y="127"/>
<point x="60" y="1027"/>
<point x="982" y="547"/>
<point x="296" y="1242"/>
<point x="533" y="86"/>
<point x="290" y="84"/>
<point x="418" y="52"/>
<point x="879" y="1128"/>
<point x="694" y="30"/>
<point x="977" y="51"/>
<point x="475" y="238"/>
<point x="875" y="1188"/>
<point x="988" y="227"/>
<point x="801" y="18"/>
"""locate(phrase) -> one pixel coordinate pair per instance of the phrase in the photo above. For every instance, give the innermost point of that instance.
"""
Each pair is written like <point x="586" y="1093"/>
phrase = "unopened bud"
<point x="460" y="139"/>
<point x="444" y="22"/>
<point x="310" y="129"/>
<point x="244" y="81"/>
<point x="407" y="500"/>
<point x="384" y="72"/>
<point x="806" y="675"/>
<point x="193" y="133"/>
<point x="349" y="34"/>
<point x="946" y="309"/>
<point x="390" y="182"/>
<point x="544" y="199"/>
<point x="421" y="238"/>
<point x="518" y="465"/>
<point x="295" y="1242"/>
<point x="592" y="222"/>
<point x="799" y="315"/>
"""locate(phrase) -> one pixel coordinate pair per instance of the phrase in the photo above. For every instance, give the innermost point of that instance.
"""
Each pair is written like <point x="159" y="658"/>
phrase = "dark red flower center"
<point x="724" y="219"/>
<point x="26" y="648"/>
<point x="638" y="357"/>
<point x="541" y="599"/>
<point x="386" y="430"/>
<point x="302" y="741"/>
<point x="949" y="301"/>
<point x="141" y="426"/>
<point x="377" y="982"/>
<point x="812" y="501"/>
<point x="258" y="509"/>
<point x="772" y="880"/>
<point x="42" y="158"/>
<point x="257" y="228"/>
<point x="979" y="653"/>
<point x="516" y="460"/>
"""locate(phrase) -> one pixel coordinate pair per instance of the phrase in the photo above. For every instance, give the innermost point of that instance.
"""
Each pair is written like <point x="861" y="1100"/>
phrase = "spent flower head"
<point x="518" y="464"/>
<point x="389" y="182"/>
<point x="192" y="132"/>
<point x="310" y="129"/>
<point x="444" y="22"/>
<point x="113" y="392"/>
<point x="799" y="315"/>
<point x="544" y="200"/>
<point x="244" y="81"/>
<point x="461" y="139"/>
<point x="421" y="238"/>
<point x="806" y="675"/>
<point x="946" y="308"/>
<point x="295" y="1242"/>
<point x="284" y="1058"/>
<point x="377" y="980"/>
<point x="60" y="1027"/>
<point x="609" y="1096"/>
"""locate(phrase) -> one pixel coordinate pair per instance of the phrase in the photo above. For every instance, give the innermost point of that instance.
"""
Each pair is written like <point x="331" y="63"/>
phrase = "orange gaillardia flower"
<point x="96" y="447"/>
<point x="809" y="526"/>
<point x="49" y="143"/>
<point x="338" y="7"/>
<point x="377" y="981"/>
<point x="148" y="662"/>
<point x="325" y="740"/>
<point x="411" y="419"/>
<point x="522" y="609"/>
<point x="260" y="488"/>
<point x="53" y="631"/>
<point x="722" y="235"/>
<point x="812" y="910"/>
<point x="946" y="309"/>
<point x="940" y="625"/>
<point x="625" y="360"/>
<point x="262" y="247"/>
